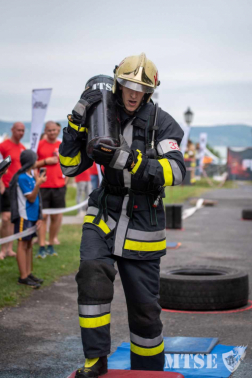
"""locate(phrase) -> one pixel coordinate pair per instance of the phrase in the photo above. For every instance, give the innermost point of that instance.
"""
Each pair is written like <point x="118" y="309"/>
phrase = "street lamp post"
<point x="188" y="116"/>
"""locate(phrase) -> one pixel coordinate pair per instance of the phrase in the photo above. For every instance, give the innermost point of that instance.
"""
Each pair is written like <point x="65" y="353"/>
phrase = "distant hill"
<point x="220" y="135"/>
<point x="226" y="135"/>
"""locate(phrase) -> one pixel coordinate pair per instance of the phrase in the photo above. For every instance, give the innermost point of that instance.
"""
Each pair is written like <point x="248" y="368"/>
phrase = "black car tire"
<point x="204" y="288"/>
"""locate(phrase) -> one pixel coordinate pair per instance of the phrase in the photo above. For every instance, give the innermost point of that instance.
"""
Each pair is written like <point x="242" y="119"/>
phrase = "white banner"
<point x="203" y="143"/>
<point x="40" y="101"/>
<point x="183" y="144"/>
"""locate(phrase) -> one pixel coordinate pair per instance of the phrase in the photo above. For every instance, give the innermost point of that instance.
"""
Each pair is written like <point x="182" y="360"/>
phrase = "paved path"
<point x="40" y="338"/>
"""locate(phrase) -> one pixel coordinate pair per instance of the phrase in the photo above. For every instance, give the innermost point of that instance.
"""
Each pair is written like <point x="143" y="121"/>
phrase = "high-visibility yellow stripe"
<point x="89" y="362"/>
<point x="167" y="170"/>
<point x="21" y="226"/>
<point x="102" y="224"/>
<point x="138" y="163"/>
<point x="68" y="161"/>
<point x="75" y="127"/>
<point x="146" y="351"/>
<point x="94" y="322"/>
<point x="145" y="247"/>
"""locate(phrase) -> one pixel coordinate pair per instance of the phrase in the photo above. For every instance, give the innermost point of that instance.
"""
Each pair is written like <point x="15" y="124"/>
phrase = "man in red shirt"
<point x="11" y="147"/>
<point x="53" y="190"/>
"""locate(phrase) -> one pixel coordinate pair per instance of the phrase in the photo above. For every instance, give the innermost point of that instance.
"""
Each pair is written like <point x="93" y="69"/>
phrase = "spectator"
<point x="197" y="157"/>
<point x="83" y="188"/>
<point x="94" y="176"/>
<point x="58" y="128"/>
<point x="26" y="212"/>
<point x="53" y="190"/>
<point x="11" y="147"/>
<point x="56" y="240"/>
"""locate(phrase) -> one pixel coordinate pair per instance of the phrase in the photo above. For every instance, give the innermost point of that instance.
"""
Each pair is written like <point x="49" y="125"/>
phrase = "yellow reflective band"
<point x="68" y="161"/>
<point x="102" y="224"/>
<point x="75" y="127"/>
<point x="139" y="161"/>
<point x="89" y="362"/>
<point x="146" y="351"/>
<point x="144" y="246"/>
<point x="167" y="170"/>
<point x="94" y="322"/>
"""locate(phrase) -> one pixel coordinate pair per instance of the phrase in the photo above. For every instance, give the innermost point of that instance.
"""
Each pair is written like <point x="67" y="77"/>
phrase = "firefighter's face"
<point x="131" y="99"/>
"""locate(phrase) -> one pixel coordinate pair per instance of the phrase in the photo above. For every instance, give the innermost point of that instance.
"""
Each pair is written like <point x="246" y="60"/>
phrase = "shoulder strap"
<point x="151" y="126"/>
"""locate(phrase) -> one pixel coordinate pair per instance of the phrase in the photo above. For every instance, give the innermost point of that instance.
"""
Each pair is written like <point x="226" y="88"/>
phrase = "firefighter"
<point x="125" y="220"/>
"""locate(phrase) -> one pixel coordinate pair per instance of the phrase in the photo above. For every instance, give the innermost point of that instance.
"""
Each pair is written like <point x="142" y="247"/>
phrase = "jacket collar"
<point x="141" y="115"/>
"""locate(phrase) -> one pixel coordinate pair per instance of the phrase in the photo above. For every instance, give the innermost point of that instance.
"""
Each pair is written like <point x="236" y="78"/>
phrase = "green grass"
<point x="71" y="199"/>
<point x="179" y="194"/>
<point x="50" y="269"/>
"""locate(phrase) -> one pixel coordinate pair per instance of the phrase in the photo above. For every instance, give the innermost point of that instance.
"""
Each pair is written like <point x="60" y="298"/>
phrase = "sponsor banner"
<point x="202" y="151"/>
<point x="221" y="362"/>
<point x="184" y="141"/>
<point x="239" y="163"/>
<point x="40" y="101"/>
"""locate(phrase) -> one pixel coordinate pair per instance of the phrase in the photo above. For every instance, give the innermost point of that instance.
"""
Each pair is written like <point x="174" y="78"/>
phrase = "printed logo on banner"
<point x="34" y="138"/>
<point x="39" y="104"/>
<point x="232" y="359"/>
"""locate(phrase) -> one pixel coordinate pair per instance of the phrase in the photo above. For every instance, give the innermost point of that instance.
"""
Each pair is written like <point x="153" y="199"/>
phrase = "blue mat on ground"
<point x="190" y="344"/>
<point x="220" y="363"/>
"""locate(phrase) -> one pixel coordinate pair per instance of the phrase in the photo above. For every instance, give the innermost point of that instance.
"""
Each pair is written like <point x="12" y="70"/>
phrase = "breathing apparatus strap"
<point x="151" y="126"/>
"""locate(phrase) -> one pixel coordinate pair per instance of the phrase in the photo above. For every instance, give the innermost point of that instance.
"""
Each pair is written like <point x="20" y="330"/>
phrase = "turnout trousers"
<point x="140" y="280"/>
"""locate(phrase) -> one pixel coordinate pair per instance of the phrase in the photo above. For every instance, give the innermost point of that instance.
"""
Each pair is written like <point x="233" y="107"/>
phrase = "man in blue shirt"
<point x="26" y="213"/>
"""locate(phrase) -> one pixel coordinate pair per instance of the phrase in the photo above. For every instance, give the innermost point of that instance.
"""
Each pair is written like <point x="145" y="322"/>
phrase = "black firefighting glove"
<point x="115" y="157"/>
<point x="88" y="98"/>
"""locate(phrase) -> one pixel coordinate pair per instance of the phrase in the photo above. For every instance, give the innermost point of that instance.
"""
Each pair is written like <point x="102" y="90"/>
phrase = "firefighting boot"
<point x="93" y="368"/>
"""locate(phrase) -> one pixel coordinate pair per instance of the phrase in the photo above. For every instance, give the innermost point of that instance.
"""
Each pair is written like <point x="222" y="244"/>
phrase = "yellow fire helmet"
<point x="137" y="73"/>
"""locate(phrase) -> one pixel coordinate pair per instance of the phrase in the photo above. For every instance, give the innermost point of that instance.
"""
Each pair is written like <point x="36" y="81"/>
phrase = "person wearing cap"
<point x="26" y="212"/>
<point x="125" y="220"/>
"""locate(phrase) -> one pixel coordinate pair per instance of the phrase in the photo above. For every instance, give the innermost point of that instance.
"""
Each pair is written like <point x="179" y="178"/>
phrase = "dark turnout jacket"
<point x="128" y="205"/>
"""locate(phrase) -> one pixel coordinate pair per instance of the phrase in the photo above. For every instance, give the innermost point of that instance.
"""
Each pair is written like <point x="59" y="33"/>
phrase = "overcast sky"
<point x="202" y="48"/>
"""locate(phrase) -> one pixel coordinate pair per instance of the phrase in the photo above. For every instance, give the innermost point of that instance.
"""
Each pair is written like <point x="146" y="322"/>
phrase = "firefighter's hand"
<point x="115" y="157"/>
<point x="88" y="98"/>
<point x="102" y="154"/>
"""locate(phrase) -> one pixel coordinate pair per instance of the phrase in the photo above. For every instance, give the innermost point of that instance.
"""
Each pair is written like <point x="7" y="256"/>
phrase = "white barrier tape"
<point x="31" y="230"/>
<point x="188" y="212"/>
<point x="65" y="209"/>
<point x="22" y="234"/>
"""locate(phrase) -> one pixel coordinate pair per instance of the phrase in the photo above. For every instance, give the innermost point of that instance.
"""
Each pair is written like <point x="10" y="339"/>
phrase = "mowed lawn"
<point x="50" y="269"/>
<point x="179" y="194"/>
